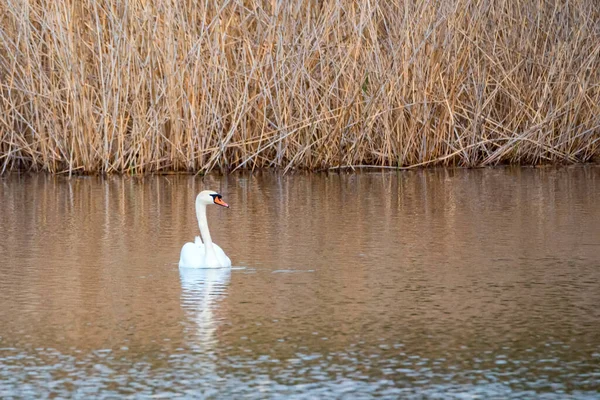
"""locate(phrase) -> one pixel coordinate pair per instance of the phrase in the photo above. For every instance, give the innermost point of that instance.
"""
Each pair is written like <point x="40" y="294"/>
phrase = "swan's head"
<point x="211" y="197"/>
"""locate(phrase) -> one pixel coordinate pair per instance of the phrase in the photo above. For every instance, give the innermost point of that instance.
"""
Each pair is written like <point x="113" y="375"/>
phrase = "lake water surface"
<point x="425" y="284"/>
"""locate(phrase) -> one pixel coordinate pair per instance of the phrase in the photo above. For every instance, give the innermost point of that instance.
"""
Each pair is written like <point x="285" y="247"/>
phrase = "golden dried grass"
<point x="101" y="86"/>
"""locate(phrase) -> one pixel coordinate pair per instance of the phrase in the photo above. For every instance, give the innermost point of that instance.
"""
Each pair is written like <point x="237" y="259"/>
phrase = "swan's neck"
<point x="203" y="225"/>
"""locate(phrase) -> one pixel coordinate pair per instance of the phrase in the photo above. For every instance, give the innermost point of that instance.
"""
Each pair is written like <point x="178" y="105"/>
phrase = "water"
<point x="435" y="284"/>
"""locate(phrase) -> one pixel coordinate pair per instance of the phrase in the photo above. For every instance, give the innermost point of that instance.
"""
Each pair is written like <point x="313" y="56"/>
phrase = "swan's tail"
<point x="198" y="241"/>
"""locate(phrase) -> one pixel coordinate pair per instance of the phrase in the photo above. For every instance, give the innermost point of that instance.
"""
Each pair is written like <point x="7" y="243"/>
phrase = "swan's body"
<point x="194" y="255"/>
<point x="204" y="253"/>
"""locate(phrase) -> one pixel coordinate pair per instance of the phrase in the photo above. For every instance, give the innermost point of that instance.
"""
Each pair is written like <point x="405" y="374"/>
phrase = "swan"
<point x="207" y="254"/>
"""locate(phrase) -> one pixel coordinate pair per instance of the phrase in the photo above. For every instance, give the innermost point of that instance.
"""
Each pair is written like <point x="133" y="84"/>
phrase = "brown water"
<point x="442" y="283"/>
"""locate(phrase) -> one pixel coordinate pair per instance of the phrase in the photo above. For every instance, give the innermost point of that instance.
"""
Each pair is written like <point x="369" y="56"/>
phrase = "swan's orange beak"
<point x="220" y="202"/>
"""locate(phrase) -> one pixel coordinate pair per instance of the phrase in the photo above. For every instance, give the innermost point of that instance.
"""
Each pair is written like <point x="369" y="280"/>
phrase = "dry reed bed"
<point x="160" y="85"/>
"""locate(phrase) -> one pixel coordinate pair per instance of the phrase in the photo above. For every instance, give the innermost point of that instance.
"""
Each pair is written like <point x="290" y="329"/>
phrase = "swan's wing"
<point x="222" y="257"/>
<point x="192" y="256"/>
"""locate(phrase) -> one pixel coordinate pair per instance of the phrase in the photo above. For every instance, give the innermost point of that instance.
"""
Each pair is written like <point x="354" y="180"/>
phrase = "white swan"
<point x="207" y="254"/>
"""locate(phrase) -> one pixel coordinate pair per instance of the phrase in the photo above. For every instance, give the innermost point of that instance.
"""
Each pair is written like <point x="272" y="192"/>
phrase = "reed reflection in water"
<point x="425" y="283"/>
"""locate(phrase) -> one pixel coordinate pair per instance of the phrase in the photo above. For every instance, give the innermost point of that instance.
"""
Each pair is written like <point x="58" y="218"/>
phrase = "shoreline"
<point x="351" y="169"/>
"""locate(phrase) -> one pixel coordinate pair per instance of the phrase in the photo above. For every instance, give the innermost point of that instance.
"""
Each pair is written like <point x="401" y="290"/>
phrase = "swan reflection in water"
<point x="202" y="290"/>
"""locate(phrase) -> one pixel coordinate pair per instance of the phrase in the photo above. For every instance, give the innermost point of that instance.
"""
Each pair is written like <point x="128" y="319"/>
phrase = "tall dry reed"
<point x="139" y="86"/>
